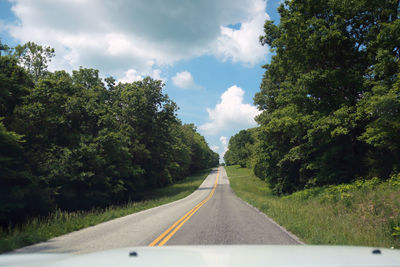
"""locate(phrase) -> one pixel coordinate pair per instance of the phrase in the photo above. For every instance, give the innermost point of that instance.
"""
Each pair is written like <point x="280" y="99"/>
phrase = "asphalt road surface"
<point x="211" y="215"/>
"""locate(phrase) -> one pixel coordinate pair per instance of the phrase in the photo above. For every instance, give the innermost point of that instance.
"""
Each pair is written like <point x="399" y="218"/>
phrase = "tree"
<point x="4" y="49"/>
<point x="240" y="148"/>
<point x="76" y="142"/>
<point x="34" y="58"/>
<point x="21" y="194"/>
<point x="15" y="83"/>
<point x="327" y="93"/>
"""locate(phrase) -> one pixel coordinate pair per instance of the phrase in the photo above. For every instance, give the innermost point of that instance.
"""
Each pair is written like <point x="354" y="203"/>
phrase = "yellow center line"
<point x="178" y="224"/>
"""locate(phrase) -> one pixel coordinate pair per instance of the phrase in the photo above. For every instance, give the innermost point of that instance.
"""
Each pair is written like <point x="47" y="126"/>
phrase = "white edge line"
<point x="290" y="234"/>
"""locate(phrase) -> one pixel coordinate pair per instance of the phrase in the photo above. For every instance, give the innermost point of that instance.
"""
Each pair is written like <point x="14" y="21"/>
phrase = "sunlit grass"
<point x="61" y="222"/>
<point x="363" y="213"/>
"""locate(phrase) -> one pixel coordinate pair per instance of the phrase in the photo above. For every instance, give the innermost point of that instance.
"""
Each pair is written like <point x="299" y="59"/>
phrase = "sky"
<point x="206" y="52"/>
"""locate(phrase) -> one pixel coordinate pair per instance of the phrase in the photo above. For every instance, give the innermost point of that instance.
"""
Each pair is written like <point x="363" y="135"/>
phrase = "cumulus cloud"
<point x="133" y="75"/>
<point x="231" y="113"/>
<point x="214" y="148"/>
<point x="184" y="80"/>
<point x="221" y="149"/>
<point x="242" y="45"/>
<point x="224" y="142"/>
<point x="142" y="35"/>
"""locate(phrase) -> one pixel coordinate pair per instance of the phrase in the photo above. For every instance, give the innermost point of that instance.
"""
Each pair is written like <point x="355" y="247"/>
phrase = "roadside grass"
<point x="364" y="213"/>
<point x="60" y="222"/>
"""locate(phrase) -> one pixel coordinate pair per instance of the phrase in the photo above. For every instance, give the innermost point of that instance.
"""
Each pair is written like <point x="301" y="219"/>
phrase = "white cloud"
<point x="156" y="74"/>
<point x="223" y="140"/>
<point x="133" y="75"/>
<point x="221" y="149"/>
<point x="184" y="80"/>
<point x="120" y="35"/>
<point x="214" y="148"/>
<point x="231" y="113"/>
<point x="242" y="45"/>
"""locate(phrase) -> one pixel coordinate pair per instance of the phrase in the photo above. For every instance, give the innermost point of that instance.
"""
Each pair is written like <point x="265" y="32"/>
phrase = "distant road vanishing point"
<point x="212" y="215"/>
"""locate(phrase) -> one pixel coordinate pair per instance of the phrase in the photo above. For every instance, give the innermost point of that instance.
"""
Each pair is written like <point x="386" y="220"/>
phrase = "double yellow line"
<point x="164" y="237"/>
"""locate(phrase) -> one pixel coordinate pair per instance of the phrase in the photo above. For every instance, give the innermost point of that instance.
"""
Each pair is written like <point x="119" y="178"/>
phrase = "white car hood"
<point x="232" y="255"/>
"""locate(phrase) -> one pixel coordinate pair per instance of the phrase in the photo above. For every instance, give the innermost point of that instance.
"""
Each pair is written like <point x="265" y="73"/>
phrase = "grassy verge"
<point x="59" y="223"/>
<point x="365" y="213"/>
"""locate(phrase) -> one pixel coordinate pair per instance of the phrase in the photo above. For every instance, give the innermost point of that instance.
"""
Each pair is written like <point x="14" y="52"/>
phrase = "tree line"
<point x="330" y="97"/>
<point x="74" y="141"/>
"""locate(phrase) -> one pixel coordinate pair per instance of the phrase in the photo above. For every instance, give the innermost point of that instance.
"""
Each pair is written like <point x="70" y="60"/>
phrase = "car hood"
<point x="237" y="255"/>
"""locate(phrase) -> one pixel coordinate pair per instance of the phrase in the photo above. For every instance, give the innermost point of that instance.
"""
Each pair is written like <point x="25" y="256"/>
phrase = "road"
<point x="211" y="215"/>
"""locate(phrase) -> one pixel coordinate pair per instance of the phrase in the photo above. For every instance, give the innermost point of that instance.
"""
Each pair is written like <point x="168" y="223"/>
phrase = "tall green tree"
<point x="34" y="58"/>
<point x="334" y="67"/>
<point x="21" y="193"/>
<point x="14" y="84"/>
<point x="75" y="141"/>
<point x="240" y="148"/>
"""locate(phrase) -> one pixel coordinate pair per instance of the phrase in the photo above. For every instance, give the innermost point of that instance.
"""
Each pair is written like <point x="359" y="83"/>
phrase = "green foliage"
<point x="334" y="193"/>
<point x="87" y="142"/>
<point x="21" y="193"/>
<point x="60" y="222"/>
<point x="14" y="83"/>
<point x="240" y="148"/>
<point x="395" y="180"/>
<point x="34" y="58"/>
<point x="396" y="231"/>
<point x="330" y="96"/>
<point x="201" y="156"/>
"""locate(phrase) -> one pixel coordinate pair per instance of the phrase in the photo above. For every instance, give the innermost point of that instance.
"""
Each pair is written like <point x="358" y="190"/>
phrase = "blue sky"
<point x="206" y="52"/>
